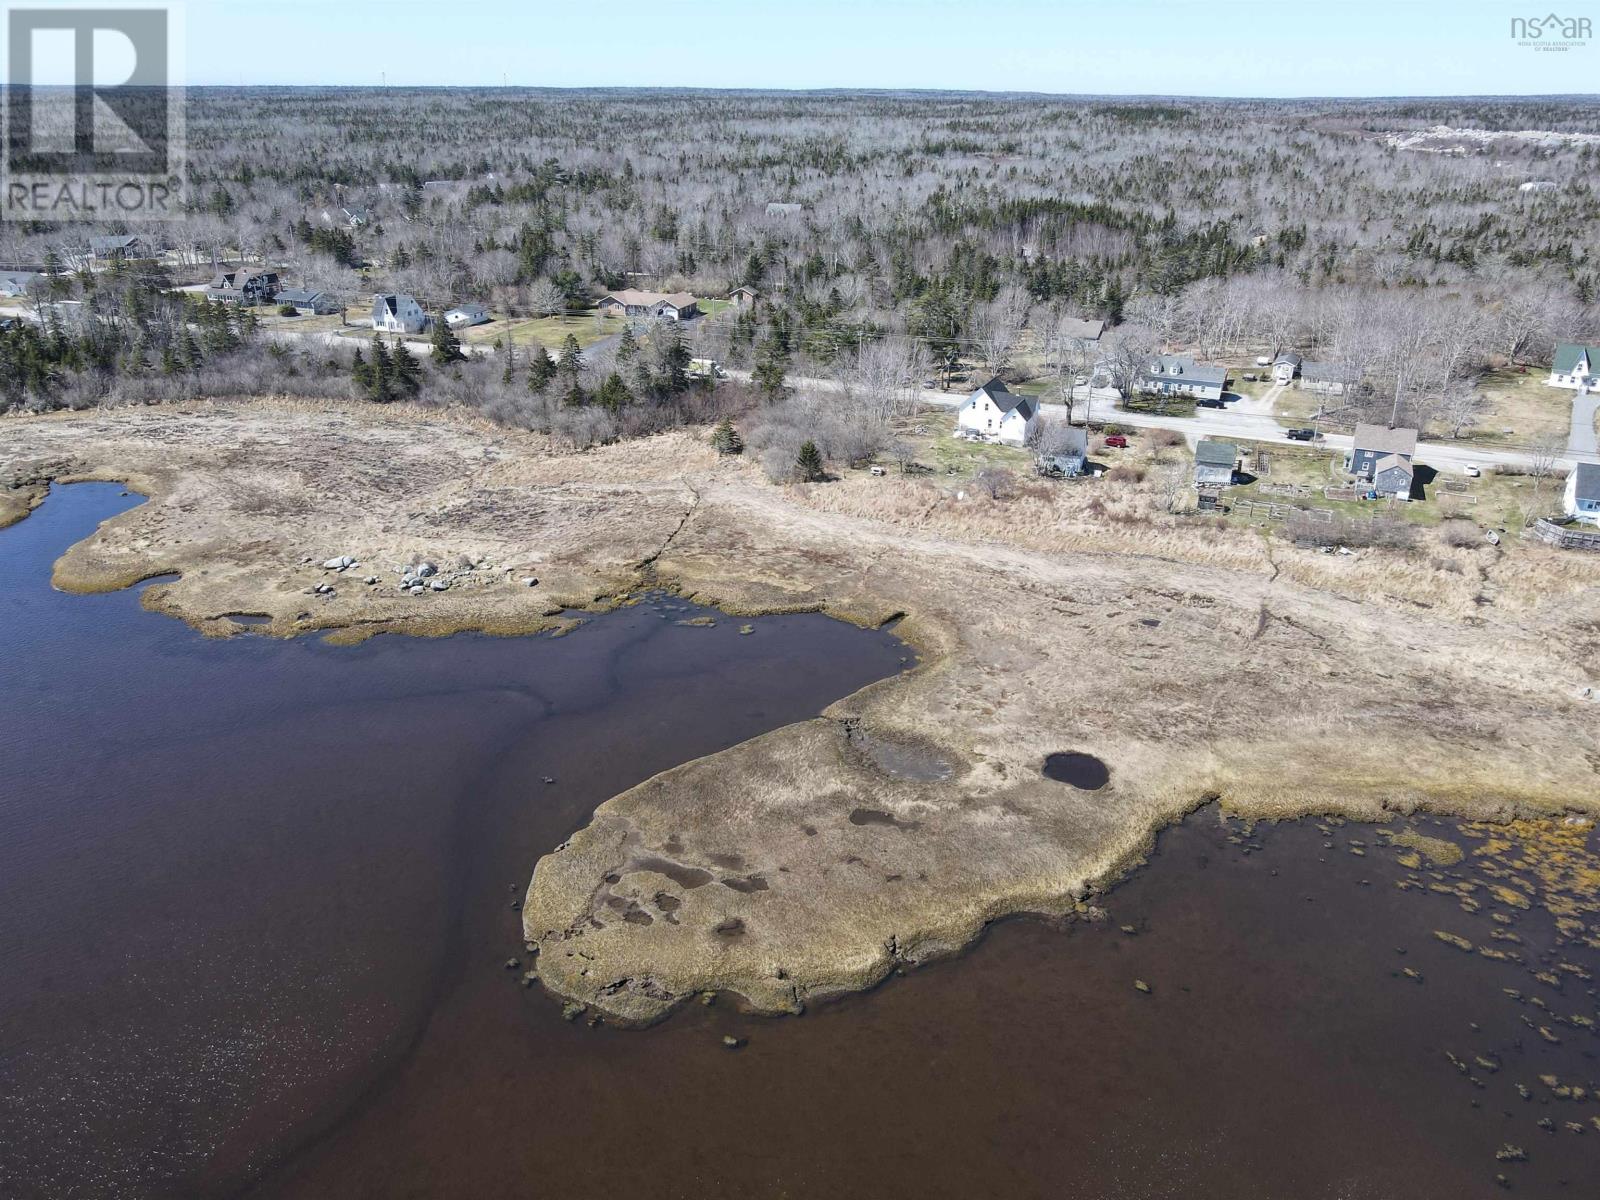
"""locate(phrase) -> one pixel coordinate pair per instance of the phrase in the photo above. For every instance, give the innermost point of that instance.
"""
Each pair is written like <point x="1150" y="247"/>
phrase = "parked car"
<point x="1471" y="470"/>
<point x="1264" y="360"/>
<point x="1302" y="435"/>
<point x="1117" y="441"/>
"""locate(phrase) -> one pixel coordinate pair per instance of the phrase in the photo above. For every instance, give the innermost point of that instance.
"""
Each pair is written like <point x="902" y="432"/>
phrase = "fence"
<point x="1565" y="537"/>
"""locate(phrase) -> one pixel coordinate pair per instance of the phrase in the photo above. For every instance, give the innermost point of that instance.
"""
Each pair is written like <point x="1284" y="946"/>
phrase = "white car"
<point x="1470" y="470"/>
<point x="1263" y="361"/>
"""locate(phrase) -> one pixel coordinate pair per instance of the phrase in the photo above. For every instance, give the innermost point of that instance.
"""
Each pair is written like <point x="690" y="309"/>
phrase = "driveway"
<point x="1581" y="441"/>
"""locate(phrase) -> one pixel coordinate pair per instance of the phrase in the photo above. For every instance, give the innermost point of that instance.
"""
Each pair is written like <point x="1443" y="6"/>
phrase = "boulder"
<point x="440" y="585"/>
<point x="424" y="570"/>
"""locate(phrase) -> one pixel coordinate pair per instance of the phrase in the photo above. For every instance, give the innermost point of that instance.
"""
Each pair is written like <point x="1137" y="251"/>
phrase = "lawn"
<point x="940" y="449"/>
<point x="588" y="328"/>
<point x="1493" y="500"/>
<point x="1520" y="406"/>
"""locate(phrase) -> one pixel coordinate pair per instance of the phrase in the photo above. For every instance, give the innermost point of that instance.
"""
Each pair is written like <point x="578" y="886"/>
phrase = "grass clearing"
<point x="549" y="332"/>
<point x="1519" y="405"/>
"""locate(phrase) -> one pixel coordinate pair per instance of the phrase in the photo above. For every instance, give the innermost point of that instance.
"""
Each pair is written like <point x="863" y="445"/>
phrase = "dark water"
<point x="255" y="897"/>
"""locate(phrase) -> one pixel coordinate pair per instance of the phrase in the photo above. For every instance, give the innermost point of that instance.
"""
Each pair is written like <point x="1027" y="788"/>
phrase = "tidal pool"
<point x="256" y="898"/>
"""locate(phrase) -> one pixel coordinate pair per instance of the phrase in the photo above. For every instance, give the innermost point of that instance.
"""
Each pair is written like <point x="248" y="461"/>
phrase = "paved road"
<point x="1581" y="441"/>
<point x="1231" y="424"/>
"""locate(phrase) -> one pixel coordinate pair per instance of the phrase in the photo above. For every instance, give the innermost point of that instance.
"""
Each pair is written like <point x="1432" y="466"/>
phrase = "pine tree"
<point x="809" y="462"/>
<point x="510" y="371"/>
<point x="407" y="371"/>
<point x="361" y="371"/>
<point x="614" y="394"/>
<point x="541" y="370"/>
<point x="725" y="438"/>
<point x="627" y="346"/>
<point x="672" y="362"/>
<point x="571" y="360"/>
<point x="446" y="346"/>
<point x="381" y="376"/>
<point x="771" y="369"/>
<point x="576" y="397"/>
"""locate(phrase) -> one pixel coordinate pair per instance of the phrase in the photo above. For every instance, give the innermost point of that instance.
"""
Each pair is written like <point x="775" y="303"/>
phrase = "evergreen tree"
<point x="541" y="370"/>
<point x="446" y="346"/>
<point x="809" y="462"/>
<point x="407" y="371"/>
<point x="361" y="371"/>
<point x="771" y="369"/>
<point x="575" y="397"/>
<point x="571" y="360"/>
<point x="627" y="346"/>
<point x="725" y="438"/>
<point x="380" y="377"/>
<point x="672" y="362"/>
<point x="614" y="394"/>
<point x="510" y="371"/>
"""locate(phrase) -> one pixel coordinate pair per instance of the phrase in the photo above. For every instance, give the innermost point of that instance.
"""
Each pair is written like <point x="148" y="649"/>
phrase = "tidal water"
<point x="255" y="897"/>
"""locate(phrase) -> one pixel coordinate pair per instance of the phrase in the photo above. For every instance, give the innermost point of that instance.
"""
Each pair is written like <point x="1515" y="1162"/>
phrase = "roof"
<point x="1568" y="355"/>
<point x="472" y="306"/>
<point x="1586" y="479"/>
<point x="632" y="297"/>
<point x="1187" y="369"/>
<point x="1390" y="462"/>
<point x="1288" y="356"/>
<point x="1327" y="372"/>
<point x="748" y="291"/>
<point x="299" y="296"/>
<point x="1077" y="328"/>
<point x="784" y="208"/>
<point x="1378" y="439"/>
<point x="19" y="278"/>
<point x="1005" y="400"/>
<point x="100" y="245"/>
<point x="1216" y="454"/>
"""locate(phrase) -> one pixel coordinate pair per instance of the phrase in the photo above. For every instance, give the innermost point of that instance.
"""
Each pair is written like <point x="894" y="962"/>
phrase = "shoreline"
<point x="1019" y="659"/>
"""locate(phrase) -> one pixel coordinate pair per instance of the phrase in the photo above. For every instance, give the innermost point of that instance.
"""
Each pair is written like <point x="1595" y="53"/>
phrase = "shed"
<point x="1215" y="463"/>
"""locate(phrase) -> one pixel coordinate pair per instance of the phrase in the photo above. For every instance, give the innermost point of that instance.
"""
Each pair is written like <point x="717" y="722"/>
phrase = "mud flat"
<point x="1278" y="698"/>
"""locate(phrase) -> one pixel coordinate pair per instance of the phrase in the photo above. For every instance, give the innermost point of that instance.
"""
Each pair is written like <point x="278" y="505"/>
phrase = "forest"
<point x="930" y="232"/>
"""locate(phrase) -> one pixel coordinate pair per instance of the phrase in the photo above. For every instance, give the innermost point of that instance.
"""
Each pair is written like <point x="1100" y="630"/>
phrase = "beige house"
<point x="663" y="306"/>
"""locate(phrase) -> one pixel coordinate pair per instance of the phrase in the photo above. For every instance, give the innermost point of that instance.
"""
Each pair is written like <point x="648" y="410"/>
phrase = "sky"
<point x="1269" y="48"/>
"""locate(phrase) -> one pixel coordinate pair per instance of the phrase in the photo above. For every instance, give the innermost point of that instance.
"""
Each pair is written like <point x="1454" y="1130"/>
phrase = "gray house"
<point x="1331" y="379"/>
<point x="244" y="285"/>
<point x="1076" y="329"/>
<point x="1180" y="375"/>
<point x="307" y="302"/>
<point x="1067" y="454"/>
<point x="125" y="245"/>
<point x="1377" y="444"/>
<point x="1215" y="463"/>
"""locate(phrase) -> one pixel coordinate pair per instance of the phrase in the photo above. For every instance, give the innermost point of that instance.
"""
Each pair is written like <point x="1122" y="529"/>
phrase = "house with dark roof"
<point x="244" y="285"/>
<point x="994" y="413"/>
<point x="1576" y="366"/>
<point x="745" y="297"/>
<point x="1582" y="500"/>
<point x="1215" y="463"/>
<point x="1382" y="457"/>
<point x="1180" y="375"/>
<point x="15" y="283"/>
<point x="306" y="302"/>
<point x="1286" y="366"/>
<point x="397" y="313"/>
<point x="1329" y="378"/>
<point x="124" y="245"/>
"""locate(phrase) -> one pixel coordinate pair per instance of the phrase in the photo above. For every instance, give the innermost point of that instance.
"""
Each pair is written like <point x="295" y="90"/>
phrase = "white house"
<point x="463" y="315"/>
<point x="397" y="314"/>
<point x="1583" y="493"/>
<point x="1286" y="366"/>
<point x="996" y="414"/>
<point x="15" y="283"/>
<point x="1575" y="366"/>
